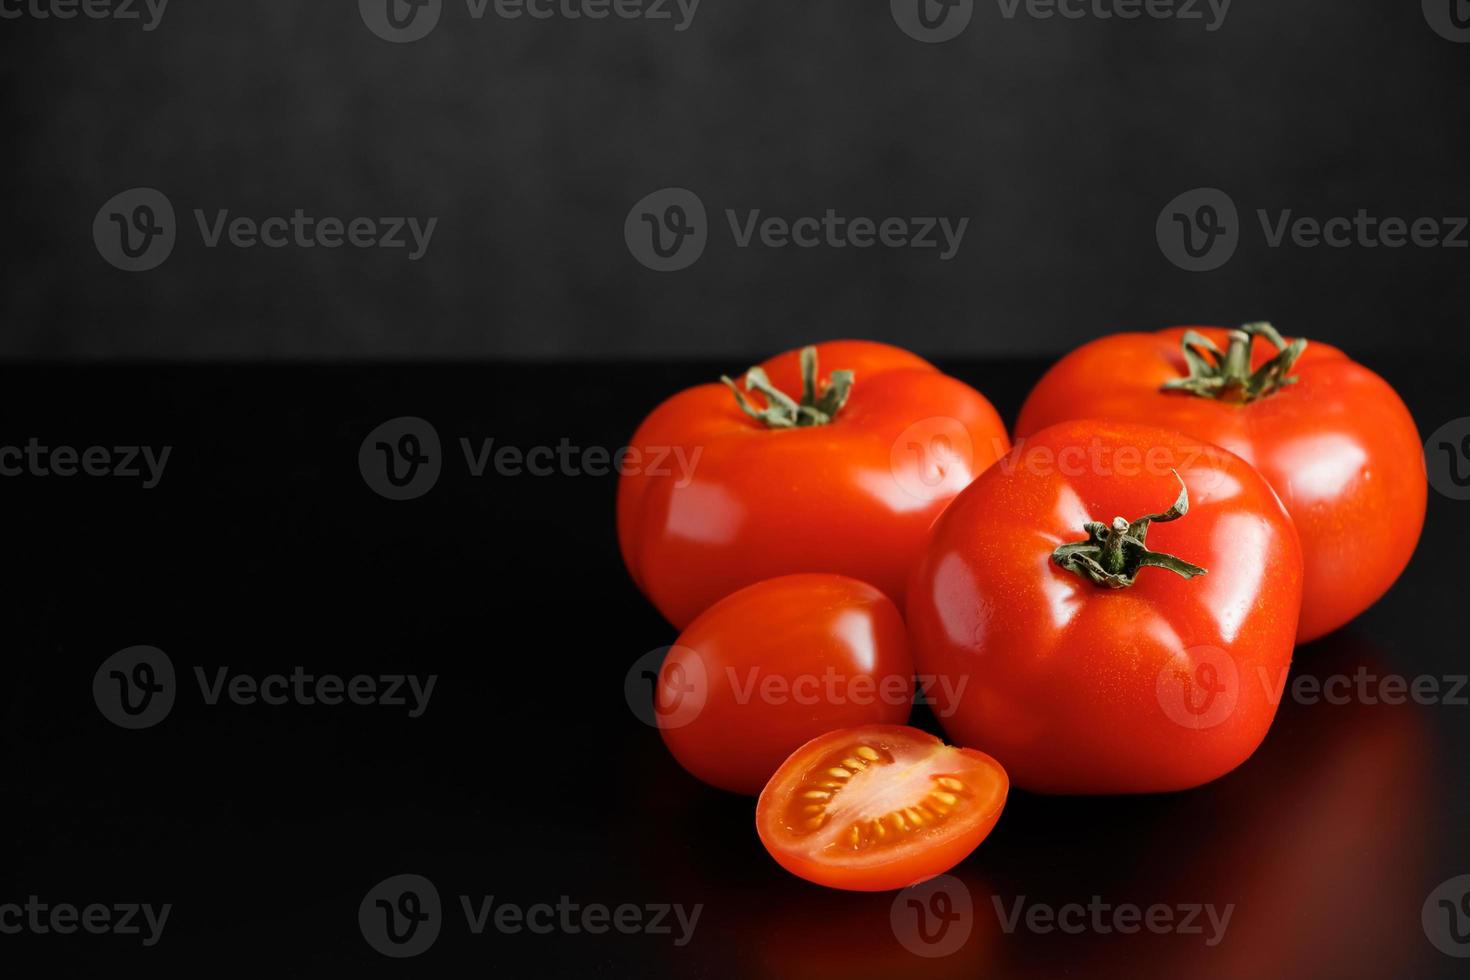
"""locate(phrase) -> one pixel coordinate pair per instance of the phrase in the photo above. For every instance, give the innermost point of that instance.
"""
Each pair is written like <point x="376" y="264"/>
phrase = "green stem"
<point x="1113" y="556"/>
<point x="1227" y="375"/>
<point x="819" y="404"/>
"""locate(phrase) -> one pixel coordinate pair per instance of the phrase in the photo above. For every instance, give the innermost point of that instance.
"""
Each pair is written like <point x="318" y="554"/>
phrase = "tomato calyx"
<point x="819" y="405"/>
<point x="1227" y="375"/>
<point x="1114" y="555"/>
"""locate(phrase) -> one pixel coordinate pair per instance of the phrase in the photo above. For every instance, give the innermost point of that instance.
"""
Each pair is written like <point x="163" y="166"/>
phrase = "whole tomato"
<point x="1098" y="627"/>
<point x="727" y="484"/>
<point x="1332" y="438"/>
<point x="772" y="666"/>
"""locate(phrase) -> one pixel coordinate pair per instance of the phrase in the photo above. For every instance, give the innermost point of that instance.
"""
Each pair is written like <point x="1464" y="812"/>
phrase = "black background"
<point x="1061" y="140"/>
<point x="528" y="777"/>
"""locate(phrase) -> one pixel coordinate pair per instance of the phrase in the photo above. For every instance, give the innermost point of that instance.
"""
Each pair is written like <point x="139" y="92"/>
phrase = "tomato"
<point x="844" y="478"/>
<point x="879" y="807"/>
<point x="1337" y="443"/>
<point x="1139" y="655"/>
<point x="777" y="664"/>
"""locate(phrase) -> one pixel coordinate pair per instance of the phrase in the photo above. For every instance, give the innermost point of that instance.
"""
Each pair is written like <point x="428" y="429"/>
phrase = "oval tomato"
<point x="776" y="664"/>
<point x="726" y="487"/>
<point x="1096" y="627"/>
<point x="880" y="807"/>
<point x="1333" y="439"/>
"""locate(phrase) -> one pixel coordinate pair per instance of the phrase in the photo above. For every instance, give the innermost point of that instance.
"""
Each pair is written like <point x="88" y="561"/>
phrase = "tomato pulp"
<point x="878" y="807"/>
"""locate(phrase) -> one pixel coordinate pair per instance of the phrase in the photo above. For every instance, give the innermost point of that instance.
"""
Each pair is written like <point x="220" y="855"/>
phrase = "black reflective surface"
<point x="528" y="777"/>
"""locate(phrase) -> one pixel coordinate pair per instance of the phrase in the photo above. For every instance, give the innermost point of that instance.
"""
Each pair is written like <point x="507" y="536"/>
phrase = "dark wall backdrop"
<point x="1061" y="141"/>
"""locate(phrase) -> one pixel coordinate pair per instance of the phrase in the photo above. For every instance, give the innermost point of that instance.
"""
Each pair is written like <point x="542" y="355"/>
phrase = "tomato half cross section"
<point x="879" y="807"/>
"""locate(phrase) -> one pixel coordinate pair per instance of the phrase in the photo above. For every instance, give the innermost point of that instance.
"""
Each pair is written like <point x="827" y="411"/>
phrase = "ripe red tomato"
<point x="844" y="477"/>
<point x="1336" y="443"/>
<point x="880" y="807"/>
<point x="1141" y="655"/>
<point x="776" y="664"/>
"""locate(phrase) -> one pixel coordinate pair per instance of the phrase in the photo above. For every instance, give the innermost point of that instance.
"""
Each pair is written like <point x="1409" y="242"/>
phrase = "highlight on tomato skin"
<point x="775" y="664"/>
<point x="1108" y="608"/>
<point x="834" y="458"/>
<point x="879" y="808"/>
<point x="1334" y="440"/>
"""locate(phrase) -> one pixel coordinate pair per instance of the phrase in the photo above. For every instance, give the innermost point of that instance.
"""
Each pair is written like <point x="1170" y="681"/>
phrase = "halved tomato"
<point x="878" y="807"/>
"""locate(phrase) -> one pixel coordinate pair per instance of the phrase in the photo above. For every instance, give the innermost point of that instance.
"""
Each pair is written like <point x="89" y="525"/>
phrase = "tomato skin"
<point x="922" y="855"/>
<point x="846" y="498"/>
<point x="1079" y="688"/>
<point x="777" y="664"/>
<point x="1339" y="446"/>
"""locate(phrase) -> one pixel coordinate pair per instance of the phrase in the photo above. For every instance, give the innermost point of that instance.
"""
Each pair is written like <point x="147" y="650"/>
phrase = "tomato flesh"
<point x="879" y="807"/>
